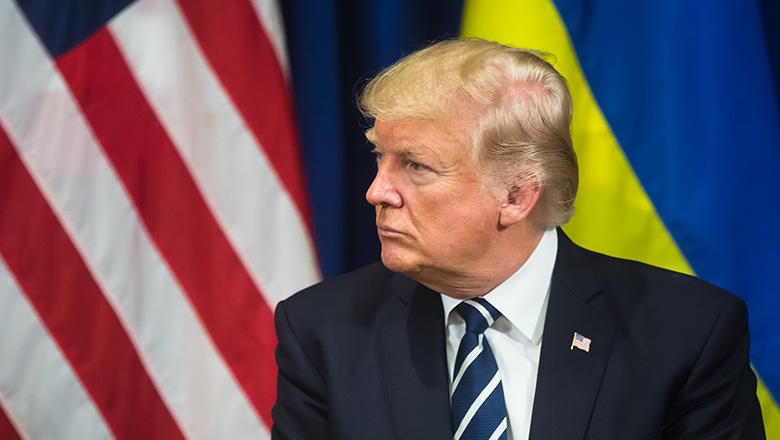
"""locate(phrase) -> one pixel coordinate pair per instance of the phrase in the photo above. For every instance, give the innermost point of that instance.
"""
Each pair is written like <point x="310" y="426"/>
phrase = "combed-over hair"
<point x="513" y="107"/>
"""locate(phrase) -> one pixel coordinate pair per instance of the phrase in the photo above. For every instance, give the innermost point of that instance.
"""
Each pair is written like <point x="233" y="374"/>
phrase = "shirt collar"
<point x="522" y="298"/>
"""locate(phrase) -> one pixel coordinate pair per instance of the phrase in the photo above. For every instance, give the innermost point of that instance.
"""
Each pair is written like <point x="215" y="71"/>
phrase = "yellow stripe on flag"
<point x="614" y="214"/>
<point x="769" y="411"/>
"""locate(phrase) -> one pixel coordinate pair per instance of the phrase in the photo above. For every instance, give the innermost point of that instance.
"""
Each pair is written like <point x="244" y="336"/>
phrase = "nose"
<point x="382" y="190"/>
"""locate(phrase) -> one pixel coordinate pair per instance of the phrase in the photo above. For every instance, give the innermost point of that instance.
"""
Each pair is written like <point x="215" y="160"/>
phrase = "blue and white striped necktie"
<point x="477" y="397"/>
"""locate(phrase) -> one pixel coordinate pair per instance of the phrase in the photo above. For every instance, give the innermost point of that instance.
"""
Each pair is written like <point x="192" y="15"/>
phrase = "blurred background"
<point x="170" y="170"/>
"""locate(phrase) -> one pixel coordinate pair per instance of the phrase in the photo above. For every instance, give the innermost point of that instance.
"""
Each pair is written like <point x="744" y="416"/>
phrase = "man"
<point x="484" y="320"/>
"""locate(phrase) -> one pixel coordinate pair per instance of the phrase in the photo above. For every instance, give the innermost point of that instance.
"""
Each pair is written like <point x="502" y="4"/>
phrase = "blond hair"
<point x="513" y="107"/>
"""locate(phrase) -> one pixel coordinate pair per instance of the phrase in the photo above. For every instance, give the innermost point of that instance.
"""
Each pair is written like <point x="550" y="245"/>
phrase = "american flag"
<point x="580" y="342"/>
<point x="152" y="213"/>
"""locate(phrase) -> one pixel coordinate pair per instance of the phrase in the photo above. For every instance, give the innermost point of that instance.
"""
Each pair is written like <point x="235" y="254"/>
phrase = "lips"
<point x="387" y="231"/>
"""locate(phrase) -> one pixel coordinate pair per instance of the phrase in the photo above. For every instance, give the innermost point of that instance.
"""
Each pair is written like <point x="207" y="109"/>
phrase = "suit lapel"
<point x="569" y="379"/>
<point x="413" y="355"/>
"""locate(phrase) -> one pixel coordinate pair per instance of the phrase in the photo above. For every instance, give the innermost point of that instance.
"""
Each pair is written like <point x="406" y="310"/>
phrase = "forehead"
<point x="418" y="137"/>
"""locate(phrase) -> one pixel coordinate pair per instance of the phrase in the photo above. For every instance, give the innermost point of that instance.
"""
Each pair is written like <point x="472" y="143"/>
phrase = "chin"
<point x="398" y="262"/>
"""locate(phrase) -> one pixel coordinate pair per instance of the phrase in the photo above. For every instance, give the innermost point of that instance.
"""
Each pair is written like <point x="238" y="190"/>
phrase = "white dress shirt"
<point x="516" y="337"/>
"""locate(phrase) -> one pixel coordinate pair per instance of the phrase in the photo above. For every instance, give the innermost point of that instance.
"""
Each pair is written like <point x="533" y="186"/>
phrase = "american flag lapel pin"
<point x="580" y="342"/>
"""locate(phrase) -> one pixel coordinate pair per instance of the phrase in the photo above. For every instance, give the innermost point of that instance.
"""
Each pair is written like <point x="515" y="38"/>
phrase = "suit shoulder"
<point x="634" y="277"/>
<point x="345" y="285"/>
<point x="635" y="292"/>
<point x="361" y="293"/>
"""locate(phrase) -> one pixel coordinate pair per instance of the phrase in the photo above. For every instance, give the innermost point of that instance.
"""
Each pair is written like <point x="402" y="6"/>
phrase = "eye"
<point x="378" y="156"/>
<point x="417" y="166"/>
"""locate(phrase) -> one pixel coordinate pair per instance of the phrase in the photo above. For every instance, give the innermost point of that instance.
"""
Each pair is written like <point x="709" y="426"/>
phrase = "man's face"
<point x="433" y="218"/>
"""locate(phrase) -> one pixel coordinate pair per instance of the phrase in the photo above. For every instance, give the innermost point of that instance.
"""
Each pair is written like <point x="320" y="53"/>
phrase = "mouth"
<point x="386" y="231"/>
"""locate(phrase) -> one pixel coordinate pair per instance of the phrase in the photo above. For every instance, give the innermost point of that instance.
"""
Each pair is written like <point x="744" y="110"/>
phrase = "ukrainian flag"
<point x="676" y="130"/>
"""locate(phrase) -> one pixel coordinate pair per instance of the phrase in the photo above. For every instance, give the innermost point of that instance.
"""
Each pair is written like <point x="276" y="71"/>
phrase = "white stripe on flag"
<point x="63" y="158"/>
<point x="171" y="71"/>
<point x="34" y="373"/>
<point x="271" y="17"/>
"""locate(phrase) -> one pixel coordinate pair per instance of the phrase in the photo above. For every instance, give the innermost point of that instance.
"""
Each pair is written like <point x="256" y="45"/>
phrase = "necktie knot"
<point x="478" y="313"/>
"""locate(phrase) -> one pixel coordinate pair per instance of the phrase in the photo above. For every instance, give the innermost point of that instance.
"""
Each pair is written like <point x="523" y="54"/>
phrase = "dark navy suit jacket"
<point x="362" y="356"/>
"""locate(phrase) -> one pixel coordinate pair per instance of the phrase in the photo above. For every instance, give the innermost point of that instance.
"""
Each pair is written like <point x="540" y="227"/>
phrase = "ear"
<point x="519" y="204"/>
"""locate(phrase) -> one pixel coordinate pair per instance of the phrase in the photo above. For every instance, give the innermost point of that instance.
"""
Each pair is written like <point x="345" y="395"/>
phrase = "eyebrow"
<point x="370" y="135"/>
<point x="407" y="151"/>
<point x="411" y="151"/>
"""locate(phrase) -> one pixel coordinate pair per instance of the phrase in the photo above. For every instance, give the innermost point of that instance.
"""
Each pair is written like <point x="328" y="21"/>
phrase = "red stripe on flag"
<point x="52" y="274"/>
<point x="245" y="62"/>
<point x="7" y="429"/>
<point x="172" y="209"/>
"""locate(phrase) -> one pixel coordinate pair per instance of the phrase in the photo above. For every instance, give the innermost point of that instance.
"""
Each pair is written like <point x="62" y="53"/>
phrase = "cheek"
<point x="454" y="212"/>
<point x="464" y="222"/>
